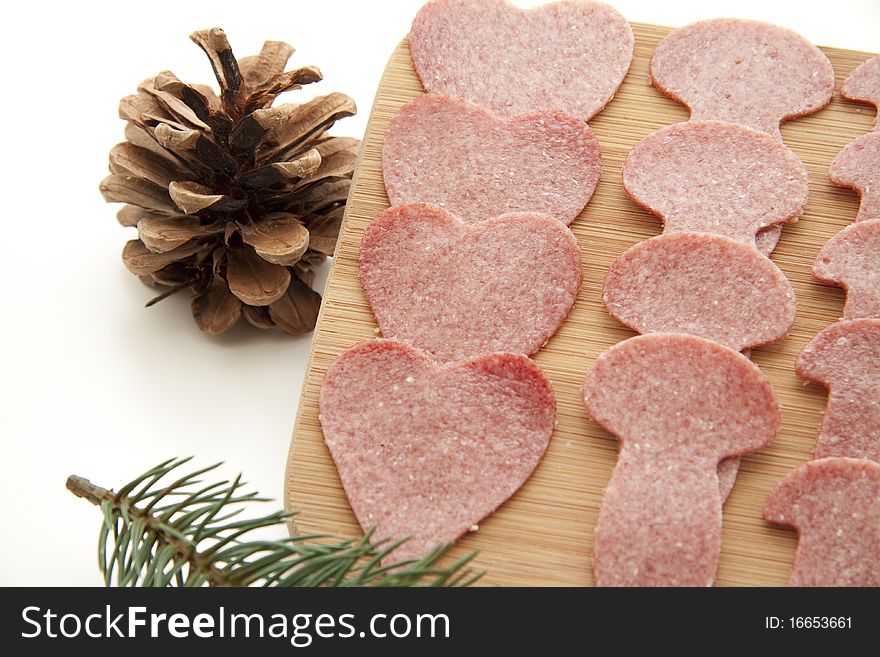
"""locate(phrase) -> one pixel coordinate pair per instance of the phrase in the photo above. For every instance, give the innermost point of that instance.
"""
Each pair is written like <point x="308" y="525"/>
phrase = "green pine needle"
<point x="188" y="533"/>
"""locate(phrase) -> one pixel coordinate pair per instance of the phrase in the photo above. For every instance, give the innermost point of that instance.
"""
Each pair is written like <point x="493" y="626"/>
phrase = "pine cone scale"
<point x="138" y="135"/>
<point x="297" y="310"/>
<point x="191" y="197"/>
<point x="175" y="140"/>
<point x="279" y="239"/>
<point x="257" y="282"/>
<point x="272" y="60"/>
<point x="141" y="261"/>
<point x="162" y="234"/>
<point x="257" y="316"/>
<point x="290" y="81"/>
<point x="120" y="188"/>
<point x="143" y="109"/>
<point x="305" y="166"/>
<point x="324" y="230"/>
<point x="216" y="310"/>
<point x="128" y="159"/>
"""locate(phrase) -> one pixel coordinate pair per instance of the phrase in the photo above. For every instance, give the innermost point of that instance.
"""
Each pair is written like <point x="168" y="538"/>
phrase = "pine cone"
<point x="233" y="198"/>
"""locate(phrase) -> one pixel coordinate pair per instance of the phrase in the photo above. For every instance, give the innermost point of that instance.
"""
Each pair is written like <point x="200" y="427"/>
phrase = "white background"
<point x="94" y="384"/>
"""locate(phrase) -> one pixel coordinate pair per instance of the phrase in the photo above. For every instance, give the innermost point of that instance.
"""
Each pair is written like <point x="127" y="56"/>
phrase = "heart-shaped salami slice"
<point x="428" y="451"/>
<point x="857" y="167"/>
<point x="457" y="290"/>
<point x="569" y="56"/>
<point x="743" y="71"/>
<point x="717" y="177"/>
<point x="850" y="260"/>
<point x="459" y="156"/>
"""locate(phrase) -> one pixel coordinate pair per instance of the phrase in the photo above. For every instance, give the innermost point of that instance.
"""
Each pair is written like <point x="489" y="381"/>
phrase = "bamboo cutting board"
<point x="544" y="534"/>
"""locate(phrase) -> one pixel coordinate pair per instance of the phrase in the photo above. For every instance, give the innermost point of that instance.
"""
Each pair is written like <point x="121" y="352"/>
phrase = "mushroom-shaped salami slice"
<point x="834" y="504"/>
<point x="704" y="285"/>
<point x="743" y="71"/>
<point x="569" y="56"/>
<point x="428" y="451"/>
<point x="716" y="177"/>
<point x="445" y="151"/>
<point x="458" y="290"/>
<point x="863" y="84"/>
<point x="845" y="358"/>
<point x="851" y="259"/>
<point x="857" y="167"/>
<point x="678" y="404"/>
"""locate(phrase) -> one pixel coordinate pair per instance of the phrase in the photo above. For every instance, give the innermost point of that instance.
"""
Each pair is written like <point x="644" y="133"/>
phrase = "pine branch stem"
<point x="82" y="487"/>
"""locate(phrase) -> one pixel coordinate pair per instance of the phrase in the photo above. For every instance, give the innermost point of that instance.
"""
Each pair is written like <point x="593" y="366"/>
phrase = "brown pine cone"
<point x="233" y="198"/>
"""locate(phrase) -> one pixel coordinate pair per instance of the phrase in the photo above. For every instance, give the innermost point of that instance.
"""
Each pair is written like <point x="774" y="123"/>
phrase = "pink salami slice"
<point x="863" y="84"/>
<point x="704" y="285"/>
<point x="428" y="451"/>
<point x="857" y="167"/>
<point x="845" y="358"/>
<point x="767" y="239"/>
<point x="851" y="259"/>
<point x="834" y="504"/>
<point x="728" y="469"/>
<point x="678" y="404"/>
<point x="743" y="71"/>
<point x="445" y="151"/>
<point x="457" y="290"/>
<point x="569" y="56"/>
<point x="716" y="177"/>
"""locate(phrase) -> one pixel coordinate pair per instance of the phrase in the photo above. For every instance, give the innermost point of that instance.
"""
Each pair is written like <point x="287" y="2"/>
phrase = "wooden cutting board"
<point x="544" y="534"/>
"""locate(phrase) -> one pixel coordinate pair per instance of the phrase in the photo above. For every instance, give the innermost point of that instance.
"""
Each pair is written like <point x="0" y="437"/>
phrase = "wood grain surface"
<point x="544" y="534"/>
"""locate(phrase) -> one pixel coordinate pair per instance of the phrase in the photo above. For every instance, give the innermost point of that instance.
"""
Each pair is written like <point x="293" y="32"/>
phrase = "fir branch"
<point x="186" y="533"/>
